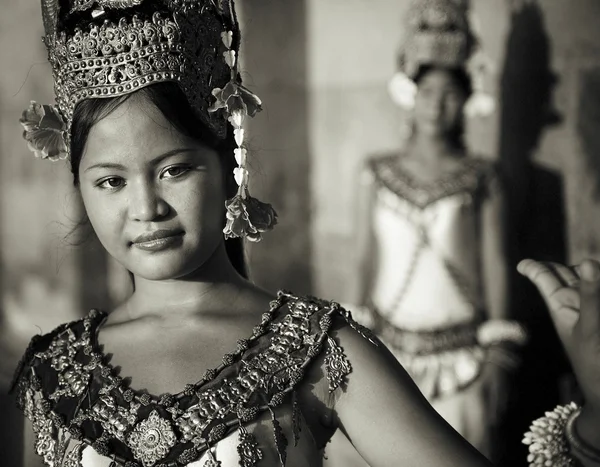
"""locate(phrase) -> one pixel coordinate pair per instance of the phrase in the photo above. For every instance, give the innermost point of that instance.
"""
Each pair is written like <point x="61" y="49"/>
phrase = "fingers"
<point x="590" y="298"/>
<point x="560" y="299"/>
<point x="568" y="274"/>
<point x="543" y="277"/>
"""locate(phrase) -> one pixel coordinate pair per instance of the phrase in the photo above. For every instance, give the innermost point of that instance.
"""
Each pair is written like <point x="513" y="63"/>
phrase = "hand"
<point x="573" y="296"/>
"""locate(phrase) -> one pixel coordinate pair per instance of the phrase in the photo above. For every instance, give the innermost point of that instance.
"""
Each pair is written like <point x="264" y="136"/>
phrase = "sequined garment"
<point x="245" y="412"/>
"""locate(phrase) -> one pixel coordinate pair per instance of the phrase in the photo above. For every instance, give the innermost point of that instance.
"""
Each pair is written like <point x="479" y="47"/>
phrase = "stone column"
<point x="274" y="59"/>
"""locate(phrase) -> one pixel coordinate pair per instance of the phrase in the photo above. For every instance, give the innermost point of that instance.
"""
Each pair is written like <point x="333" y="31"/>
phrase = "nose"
<point x="146" y="203"/>
<point x="437" y="106"/>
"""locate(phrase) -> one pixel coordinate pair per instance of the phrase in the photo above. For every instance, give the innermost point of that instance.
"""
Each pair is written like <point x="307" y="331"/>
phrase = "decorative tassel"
<point x="212" y="460"/>
<point x="281" y="441"/>
<point x="246" y="216"/>
<point x="74" y="457"/>
<point x="296" y="420"/>
<point x="337" y="365"/>
<point x="248" y="449"/>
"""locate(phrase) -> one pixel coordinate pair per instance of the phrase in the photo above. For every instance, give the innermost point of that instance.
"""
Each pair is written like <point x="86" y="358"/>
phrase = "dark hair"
<point x="464" y="82"/>
<point x="171" y="101"/>
<point x="459" y="75"/>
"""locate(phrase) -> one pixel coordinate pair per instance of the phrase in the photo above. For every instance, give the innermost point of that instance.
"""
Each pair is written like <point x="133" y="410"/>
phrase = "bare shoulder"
<point x="379" y="407"/>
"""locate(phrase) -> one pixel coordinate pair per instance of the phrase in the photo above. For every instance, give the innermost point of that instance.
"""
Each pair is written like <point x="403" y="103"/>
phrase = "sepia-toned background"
<point x="321" y="68"/>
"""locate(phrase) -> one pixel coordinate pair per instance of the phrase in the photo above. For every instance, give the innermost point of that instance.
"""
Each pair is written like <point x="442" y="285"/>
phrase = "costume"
<point x="426" y="301"/>
<point x="244" y="411"/>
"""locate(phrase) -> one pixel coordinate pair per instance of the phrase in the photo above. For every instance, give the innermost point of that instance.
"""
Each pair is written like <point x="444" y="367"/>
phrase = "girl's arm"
<point x="387" y="419"/>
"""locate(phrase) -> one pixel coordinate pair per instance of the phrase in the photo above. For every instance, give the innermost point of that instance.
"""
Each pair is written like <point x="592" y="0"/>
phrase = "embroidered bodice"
<point x="244" y="412"/>
<point x="426" y="297"/>
<point x="427" y="235"/>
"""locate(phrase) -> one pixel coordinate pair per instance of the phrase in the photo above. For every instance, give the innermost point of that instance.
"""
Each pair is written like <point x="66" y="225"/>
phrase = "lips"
<point x="148" y="237"/>
<point x="158" y="240"/>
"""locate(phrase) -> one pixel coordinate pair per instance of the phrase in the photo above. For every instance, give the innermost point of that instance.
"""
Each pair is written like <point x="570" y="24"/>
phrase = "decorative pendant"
<point x="296" y="422"/>
<point x="151" y="439"/>
<point x="212" y="460"/>
<point x="74" y="457"/>
<point x="217" y="433"/>
<point x="337" y="365"/>
<point x="248" y="449"/>
<point x="188" y="456"/>
<point x="281" y="441"/>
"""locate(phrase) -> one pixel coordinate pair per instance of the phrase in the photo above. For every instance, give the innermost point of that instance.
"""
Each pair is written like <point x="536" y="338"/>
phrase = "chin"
<point x="158" y="271"/>
<point x="169" y="265"/>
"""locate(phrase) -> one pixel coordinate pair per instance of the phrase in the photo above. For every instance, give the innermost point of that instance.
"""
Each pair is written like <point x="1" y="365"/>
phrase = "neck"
<point x="214" y="286"/>
<point x="431" y="147"/>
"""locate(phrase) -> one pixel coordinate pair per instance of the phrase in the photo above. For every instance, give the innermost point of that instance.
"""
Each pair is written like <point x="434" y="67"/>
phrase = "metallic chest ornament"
<point x="151" y="439"/>
<point x="134" y="428"/>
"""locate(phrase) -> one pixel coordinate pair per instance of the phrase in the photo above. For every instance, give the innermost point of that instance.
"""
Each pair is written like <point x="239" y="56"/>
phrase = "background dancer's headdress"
<point x="109" y="48"/>
<point x="440" y="33"/>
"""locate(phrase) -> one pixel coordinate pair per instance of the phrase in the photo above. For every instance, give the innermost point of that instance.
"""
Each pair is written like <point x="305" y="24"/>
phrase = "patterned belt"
<point x="424" y="342"/>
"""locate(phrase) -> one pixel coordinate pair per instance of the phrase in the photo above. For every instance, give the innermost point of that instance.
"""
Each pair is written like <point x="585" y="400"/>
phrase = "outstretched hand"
<point x="572" y="295"/>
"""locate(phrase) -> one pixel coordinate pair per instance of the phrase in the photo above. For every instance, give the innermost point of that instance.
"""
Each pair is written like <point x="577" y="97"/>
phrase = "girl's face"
<point x="439" y="103"/>
<point x="154" y="197"/>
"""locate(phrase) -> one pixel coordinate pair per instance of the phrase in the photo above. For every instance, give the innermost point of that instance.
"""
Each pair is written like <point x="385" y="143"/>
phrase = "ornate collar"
<point x="70" y="391"/>
<point x="422" y="194"/>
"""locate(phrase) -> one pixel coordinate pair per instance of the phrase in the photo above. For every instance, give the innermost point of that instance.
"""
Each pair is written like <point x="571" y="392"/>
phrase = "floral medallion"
<point x="151" y="439"/>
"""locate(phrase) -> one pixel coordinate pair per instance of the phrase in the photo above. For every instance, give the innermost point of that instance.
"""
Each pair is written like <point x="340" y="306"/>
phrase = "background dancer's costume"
<point x="426" y="296"/>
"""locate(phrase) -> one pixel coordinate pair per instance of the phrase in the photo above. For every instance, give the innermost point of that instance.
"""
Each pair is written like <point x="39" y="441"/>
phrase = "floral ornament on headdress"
<point x="45" y="131"/>
<point x="480" y="103"/>
<point x="246" y="216"/>
<point x="403" y="90"/>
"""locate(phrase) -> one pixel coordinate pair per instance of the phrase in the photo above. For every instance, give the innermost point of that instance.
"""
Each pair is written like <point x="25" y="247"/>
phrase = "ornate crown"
<point x="120" y="46"/>
<point x="439" y="33"/>
<point x="180" y="41"/>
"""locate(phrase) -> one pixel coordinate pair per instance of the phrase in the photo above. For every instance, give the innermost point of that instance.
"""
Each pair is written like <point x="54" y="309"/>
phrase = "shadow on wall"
<point x="280" y="162"/>
<point x="587" y="125"/>
<point x="536" y="203"/>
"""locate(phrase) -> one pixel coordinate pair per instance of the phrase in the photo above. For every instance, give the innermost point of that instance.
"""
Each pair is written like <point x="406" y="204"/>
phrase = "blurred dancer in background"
<point x="433" y="232"/>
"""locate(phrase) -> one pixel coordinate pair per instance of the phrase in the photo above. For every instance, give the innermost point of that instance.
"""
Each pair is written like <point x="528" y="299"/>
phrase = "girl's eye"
<point x="111" y="183"/>
<point x="174" y="171"/>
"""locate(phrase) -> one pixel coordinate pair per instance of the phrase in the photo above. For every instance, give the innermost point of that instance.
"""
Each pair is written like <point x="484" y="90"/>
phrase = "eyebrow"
<point x="156" y="160"/>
